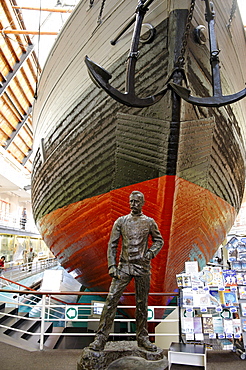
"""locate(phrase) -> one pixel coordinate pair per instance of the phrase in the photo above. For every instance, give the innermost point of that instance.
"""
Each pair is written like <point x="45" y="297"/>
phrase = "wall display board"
<point x="213" y="307"/>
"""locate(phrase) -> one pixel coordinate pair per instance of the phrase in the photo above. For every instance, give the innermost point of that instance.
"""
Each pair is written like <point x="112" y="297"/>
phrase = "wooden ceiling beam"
<point x="26" y="32"/>
<point x="16" y="20"/>
<point x="56" y="10"/>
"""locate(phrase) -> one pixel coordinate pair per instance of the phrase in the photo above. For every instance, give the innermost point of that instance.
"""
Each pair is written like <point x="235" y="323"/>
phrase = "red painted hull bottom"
<point x="192" y="220"/>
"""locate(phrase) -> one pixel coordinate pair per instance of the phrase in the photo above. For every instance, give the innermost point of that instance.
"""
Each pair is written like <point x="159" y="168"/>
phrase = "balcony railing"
<point x="20" y="272"/>
<point x="11" y="221"/>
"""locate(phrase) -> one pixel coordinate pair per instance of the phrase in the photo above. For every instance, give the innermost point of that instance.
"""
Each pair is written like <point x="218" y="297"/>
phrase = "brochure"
<point x="243" y="309"/>
<point x="217" y="277"/>
<point x="206" y="275"/>
<point x="179" y="278"/>
<point x="236" y="265"/>
<point x="195" y="281"/>
<point x="229" y="278"/>
<point x="197" y="325"/>
<point x="187" y="325"/>
<point x="186" y="280"/>
<point x="230" y="298"/>
<point x="201" y="298"/>
<point x="218" y="325"/>
<point x="241" y="278"/>
<point x="241" y="252"/>
<point x="228" y="327"/>
<point x="242" y="292"/>
<point x="232" y="254"/>
<point x="188" y="298"/>
<point x="215" y="297"/>
<point x="236" y="323"/>
<point x="207" y="321"/>
<point x="243" y="323"/>
<point x="191" y="267"/>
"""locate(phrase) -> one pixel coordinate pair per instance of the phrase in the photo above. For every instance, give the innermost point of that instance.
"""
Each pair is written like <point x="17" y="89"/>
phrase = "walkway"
<point x="20" y="272"/>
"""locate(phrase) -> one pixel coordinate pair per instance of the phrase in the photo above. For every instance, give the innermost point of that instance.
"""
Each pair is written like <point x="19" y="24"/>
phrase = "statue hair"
<point x="136" y="192"/>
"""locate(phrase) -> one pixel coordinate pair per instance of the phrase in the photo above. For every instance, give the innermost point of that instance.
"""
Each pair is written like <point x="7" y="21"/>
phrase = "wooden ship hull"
<point x="91" y="151"/>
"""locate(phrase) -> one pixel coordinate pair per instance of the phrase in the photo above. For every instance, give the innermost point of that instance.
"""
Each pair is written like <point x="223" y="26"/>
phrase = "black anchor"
<point x="217" y="100"/>
<point x="101" y="77"/>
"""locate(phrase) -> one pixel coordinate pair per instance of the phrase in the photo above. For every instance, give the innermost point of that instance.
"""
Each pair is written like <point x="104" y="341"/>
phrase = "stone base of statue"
<point x="124" y="355"/>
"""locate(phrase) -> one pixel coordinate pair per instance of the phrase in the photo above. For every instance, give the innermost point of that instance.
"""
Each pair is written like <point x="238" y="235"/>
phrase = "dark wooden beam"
<point x="16" y="68"/>
<point x="18" y="127"/>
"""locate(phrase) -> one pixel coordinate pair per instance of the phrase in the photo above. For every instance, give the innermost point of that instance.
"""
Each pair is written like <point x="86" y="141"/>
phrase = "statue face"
<point x="136" y="203"/>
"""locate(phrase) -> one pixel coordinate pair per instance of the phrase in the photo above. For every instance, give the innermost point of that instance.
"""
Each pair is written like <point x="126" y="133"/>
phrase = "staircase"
<point x="23" y="329"/>
<point x="19" y="329"/>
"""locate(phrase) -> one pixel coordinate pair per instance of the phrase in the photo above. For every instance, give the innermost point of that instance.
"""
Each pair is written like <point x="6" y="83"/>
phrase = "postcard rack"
<point x="213" y="308"/>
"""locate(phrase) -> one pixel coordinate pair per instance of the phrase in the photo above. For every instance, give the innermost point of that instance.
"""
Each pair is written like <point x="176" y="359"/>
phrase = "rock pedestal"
<point x="123" y="355"/>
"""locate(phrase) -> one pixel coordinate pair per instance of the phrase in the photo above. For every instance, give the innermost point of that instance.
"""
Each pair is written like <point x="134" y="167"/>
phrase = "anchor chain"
<point x="140" y="3"/>
<point x="181" y="59"/>
<point x="233" y="10"/>
<point x="99" y="20"/>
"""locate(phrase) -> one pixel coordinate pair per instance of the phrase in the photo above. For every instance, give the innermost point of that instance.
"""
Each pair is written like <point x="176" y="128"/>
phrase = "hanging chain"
<point x="181" y="59"/>
<point x="233" y="10"/>
<point x="99" y="20"/>
<point x="141" y="3"/>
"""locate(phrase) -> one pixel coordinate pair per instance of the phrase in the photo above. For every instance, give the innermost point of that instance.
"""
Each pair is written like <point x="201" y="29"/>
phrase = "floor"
<point x="19" y="359"/>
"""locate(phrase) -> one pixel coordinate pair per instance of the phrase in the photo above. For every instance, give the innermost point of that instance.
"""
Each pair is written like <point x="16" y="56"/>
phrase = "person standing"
<point x="25" y="259"/>
<point x="134" y="263"/>
<point x="2" y="260"/>
<point x="30" y="259"/>
<point x="23" y="219"/>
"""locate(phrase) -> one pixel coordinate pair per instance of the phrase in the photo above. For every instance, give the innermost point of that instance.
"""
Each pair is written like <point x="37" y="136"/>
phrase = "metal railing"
<point x="11" y="221"/>
<point x="49" y="314"/>
<point x="20" y="272"/>
<point x="26" y="297"/>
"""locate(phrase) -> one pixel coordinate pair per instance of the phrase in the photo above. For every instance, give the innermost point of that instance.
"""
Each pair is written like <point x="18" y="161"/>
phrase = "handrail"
<point x="47" y="306"/>
<point x="16" y="283"/>
<point x="18" y="272"/>
<point x="21" y="292"/>
<point x="175" y="294"/>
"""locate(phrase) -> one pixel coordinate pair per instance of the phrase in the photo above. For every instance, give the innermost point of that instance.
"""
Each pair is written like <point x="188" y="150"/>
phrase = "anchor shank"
<point x="214" y="52"/>
<point x="133" y="55"/>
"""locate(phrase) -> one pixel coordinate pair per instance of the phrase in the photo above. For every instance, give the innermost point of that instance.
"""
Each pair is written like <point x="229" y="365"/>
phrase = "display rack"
<point x="213" y="308"/>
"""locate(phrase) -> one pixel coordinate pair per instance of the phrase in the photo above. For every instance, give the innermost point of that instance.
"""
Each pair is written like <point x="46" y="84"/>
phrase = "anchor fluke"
<point x="213" y="101"/>
<point x="101" y="77"/>
<point x="96" y="72"/>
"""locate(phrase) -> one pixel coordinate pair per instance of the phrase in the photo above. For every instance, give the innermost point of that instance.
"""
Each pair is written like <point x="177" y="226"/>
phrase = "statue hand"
<point x="113" y="272"/>
<point x="149" y="255"/>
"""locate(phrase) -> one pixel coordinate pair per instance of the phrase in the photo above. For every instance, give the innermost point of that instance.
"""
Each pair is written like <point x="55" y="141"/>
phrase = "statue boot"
<point x="99" y="343"/>
<point x="146" y="344"/>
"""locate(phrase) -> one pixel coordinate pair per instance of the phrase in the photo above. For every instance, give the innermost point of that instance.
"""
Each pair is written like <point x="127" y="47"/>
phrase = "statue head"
<point x="136" y="202"/>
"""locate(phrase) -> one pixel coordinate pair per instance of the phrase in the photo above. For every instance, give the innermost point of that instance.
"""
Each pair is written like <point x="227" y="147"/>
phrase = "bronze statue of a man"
<point x="134" y="262"/>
